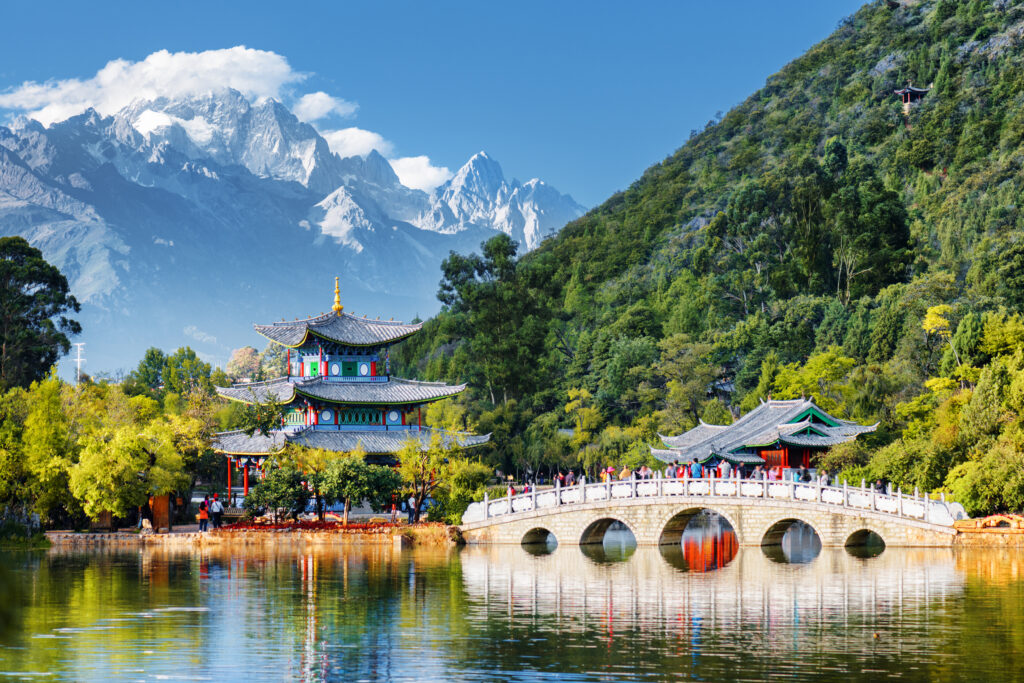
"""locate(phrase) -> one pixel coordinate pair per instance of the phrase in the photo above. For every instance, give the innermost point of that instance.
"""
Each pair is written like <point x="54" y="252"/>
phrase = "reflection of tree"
<point x="330" y="613"/>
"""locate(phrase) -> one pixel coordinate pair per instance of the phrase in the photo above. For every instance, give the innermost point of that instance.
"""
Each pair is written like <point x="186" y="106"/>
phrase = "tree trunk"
<point x="345" y="519"/>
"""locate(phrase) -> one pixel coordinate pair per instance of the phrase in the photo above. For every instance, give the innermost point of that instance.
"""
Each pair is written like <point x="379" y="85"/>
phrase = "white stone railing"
<point x="853" y="498"/>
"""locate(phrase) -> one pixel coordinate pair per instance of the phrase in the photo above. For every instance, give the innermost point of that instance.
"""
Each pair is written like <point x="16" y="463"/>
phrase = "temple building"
<point x="784" y="434"/>
<point x="911" y="96"/>
<point x="337" y="393"/>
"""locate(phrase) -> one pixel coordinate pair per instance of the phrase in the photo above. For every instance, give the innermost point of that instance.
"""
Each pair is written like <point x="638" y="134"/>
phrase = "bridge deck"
<point x="654" y="509"/>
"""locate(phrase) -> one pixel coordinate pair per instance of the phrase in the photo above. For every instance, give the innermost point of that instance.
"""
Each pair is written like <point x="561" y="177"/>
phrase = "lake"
<point x="703" y="610"/>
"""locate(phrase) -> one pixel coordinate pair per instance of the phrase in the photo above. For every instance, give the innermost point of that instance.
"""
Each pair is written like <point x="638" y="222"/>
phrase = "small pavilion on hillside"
<point x="911" y="96"/>
<point x="782" y="434"/>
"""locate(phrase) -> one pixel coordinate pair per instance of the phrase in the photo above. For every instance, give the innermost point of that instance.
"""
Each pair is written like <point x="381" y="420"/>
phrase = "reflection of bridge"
<point x="647" y="592"/>
<point x="657" y="511"/>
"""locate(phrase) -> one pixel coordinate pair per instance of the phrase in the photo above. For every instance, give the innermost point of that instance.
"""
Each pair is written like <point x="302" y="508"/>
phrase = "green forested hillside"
<point x="814" y="241"/>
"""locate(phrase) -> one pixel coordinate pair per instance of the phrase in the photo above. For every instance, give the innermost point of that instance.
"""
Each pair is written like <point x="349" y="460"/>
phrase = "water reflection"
<point x="800" y="544"/>
<point x="489" y="613"/>
<point x="708" y="543"/>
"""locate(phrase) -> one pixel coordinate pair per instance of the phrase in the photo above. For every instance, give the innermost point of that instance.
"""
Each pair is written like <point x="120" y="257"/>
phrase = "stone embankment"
<point x="397" y="536"/>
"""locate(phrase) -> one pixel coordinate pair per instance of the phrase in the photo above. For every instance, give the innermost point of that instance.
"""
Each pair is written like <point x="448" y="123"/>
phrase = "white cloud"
<point x="350" y="142"/>
<point x="418" y="173"/>
<point x="317" y="105"/>
<point x="254" y="73"/>
<point x="199" y="335"/>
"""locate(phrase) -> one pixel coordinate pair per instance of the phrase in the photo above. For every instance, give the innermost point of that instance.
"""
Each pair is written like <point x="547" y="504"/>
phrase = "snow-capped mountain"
<point x="479" y="196"/>
<point x="182" y="221"/>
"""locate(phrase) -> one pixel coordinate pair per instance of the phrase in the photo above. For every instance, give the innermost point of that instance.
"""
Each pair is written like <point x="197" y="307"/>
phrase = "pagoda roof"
<point x="373" y="442"/>
<point x="911" y="89"/>
<point x="740" y="458"/>
<point x="393" y="392"/>
<point x="797" y="422"/>
<point x="342" y="328"/>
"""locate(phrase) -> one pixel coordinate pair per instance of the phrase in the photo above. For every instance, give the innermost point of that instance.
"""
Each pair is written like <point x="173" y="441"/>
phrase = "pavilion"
<point x="784" y="434"/>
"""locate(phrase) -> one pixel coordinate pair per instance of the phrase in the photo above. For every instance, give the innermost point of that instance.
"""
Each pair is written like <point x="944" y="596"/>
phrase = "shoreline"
<point x="397" y="537"/>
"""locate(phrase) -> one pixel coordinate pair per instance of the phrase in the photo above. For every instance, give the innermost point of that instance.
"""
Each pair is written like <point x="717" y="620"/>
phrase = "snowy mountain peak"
<point x="201" y="193"/>
<point x="264" y="137"/>
<point x="481" y="175"/>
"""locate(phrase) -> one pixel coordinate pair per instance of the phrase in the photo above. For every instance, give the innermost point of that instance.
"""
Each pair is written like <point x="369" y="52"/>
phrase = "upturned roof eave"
<point x="306" y="394"/>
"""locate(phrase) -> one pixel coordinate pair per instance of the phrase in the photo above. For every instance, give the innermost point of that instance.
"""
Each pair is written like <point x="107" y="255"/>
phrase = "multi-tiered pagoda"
<point x="338" y="392"/>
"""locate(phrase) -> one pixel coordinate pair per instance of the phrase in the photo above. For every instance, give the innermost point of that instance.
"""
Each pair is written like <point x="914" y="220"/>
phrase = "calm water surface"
<point x="702" y="610"/>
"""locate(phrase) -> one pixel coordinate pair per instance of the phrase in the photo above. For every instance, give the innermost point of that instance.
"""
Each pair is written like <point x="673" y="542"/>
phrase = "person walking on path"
<point x="216" y="511"/>
<point x="204" y="517"/>
<point x="412" y="508"/>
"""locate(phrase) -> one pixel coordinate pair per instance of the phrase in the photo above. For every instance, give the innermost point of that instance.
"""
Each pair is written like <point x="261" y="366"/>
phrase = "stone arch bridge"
<point x="657" y="512"/>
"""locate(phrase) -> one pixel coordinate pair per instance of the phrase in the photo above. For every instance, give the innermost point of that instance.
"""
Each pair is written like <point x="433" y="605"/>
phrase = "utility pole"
<point x="78" y="362"/>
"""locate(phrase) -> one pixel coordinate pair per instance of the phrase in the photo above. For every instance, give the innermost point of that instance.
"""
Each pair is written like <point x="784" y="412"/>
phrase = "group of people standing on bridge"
<point x="692" y="470"/>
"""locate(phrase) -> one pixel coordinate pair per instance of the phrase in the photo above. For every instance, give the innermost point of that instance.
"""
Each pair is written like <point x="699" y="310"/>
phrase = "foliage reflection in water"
<point x="501" y="613"/>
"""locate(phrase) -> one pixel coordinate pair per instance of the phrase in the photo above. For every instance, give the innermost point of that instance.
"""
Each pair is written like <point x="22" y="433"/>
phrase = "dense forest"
<point x="812" y="241"/>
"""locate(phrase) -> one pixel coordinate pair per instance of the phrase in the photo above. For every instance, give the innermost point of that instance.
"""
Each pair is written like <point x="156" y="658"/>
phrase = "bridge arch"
<point x="864" y="536"/>
<point x="593" y="532"/>
<point x="538" y="535"/>
<point x="672" y="527"/>
<point x="777" y="529"/>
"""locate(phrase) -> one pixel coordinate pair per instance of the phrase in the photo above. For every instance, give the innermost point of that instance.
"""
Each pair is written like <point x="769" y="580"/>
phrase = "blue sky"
<point x="583" y="95"/>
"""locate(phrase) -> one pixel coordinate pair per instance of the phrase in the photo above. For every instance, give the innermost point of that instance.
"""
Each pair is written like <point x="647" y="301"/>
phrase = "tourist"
<point x="625" y="474"/>
<point x="411" y="503"/>
<point x="204" y="516"/>
<point x="823" y="478"/>
<point x="670" y="471"/>
<point x="511" y="490"/>
<point x="526" y="487"/>
<point x="773" y="473"/>
<point x="682" y="472"/>
<point x="695" y="469"/>
<point x="216" y="511"/>
<point x="570" y="478"/>
<point x="725" y="469"/>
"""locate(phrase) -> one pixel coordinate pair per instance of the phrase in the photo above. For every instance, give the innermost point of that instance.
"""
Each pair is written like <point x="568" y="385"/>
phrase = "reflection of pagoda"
<point x="338" y="392"/>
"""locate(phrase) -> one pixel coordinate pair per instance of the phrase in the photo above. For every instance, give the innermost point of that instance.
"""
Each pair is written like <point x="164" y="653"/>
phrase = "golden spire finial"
<point x="337" y="307"/>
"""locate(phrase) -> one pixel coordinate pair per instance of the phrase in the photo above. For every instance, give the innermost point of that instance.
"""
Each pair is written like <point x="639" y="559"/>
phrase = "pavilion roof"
<point x="342" y="328"/>
<point x="797" y="422"/>
<point x="373" y="442"/>
<point x="911" y="89"/>
<point x="394" y="391"/>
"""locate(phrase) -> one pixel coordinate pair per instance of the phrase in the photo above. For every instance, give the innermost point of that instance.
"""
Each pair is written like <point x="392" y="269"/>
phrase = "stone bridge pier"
<point x="662" y="520"/>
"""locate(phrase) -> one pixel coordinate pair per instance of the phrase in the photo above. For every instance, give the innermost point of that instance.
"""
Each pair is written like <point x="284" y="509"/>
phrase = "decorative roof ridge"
<point x="424" y="383"/>
<point x="261" y="383"/>
<point x="232" y="431"/>
<point x="322" y="379"/>
<point x="448" y="431"/>
<point x="327" y="317"/>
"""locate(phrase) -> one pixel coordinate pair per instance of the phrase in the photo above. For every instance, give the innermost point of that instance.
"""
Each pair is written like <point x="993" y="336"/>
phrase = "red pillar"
<point x="245" y="480"/>
<point x="288" y="363"/>
<point x="230" y="463"/>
